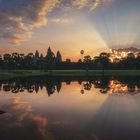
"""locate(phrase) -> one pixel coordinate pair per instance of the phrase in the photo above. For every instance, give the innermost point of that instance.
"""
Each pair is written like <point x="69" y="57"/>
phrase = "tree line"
<point x="54" y="61"/>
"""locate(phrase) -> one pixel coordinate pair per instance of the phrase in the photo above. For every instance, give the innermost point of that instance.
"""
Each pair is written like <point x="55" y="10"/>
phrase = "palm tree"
<point x="82" y="53"/>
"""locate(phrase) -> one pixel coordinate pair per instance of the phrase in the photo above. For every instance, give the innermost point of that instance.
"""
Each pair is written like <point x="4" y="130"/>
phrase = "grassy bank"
<point x="5" y="74"/>
<point x="94" y="72"/>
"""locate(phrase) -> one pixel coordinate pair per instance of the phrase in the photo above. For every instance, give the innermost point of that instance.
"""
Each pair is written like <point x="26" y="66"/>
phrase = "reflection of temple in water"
<point x="110" y="85"/>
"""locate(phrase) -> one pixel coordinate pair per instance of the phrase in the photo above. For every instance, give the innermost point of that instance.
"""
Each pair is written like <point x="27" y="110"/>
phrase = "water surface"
<point x="60" y="108"/>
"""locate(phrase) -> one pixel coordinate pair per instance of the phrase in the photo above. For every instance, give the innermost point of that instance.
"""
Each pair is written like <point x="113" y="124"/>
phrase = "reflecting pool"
<point x="70" y="108"/>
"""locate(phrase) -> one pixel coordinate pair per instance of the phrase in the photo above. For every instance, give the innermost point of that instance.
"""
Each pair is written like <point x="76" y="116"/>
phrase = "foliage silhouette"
<point x="54" y="61"/>
<point x="54" y="84"/>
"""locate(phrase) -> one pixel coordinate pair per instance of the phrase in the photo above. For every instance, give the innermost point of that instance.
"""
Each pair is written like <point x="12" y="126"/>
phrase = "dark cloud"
<point x="19" y="17"/>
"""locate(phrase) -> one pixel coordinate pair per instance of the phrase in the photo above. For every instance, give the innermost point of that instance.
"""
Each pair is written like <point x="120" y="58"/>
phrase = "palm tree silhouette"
<point x="82" y="53"/>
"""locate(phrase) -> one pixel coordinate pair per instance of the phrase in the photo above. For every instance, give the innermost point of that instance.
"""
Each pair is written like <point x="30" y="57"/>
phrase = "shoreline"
<point x="7" y="74"/>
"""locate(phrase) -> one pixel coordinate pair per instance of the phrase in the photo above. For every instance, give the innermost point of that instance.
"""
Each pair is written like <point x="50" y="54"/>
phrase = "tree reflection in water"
<point x="110" y="85"/>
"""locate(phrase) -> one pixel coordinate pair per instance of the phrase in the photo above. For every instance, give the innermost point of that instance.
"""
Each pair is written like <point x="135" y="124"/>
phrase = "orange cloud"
<point x="19" y="118"/>
<point x="19" y="18"/>
<point x="91" y="4"/>
<point x="18" y="21"/>
<point x="61" y="20"/>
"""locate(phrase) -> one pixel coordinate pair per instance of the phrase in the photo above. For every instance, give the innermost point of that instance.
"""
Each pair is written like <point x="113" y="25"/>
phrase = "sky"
<point x="68" y="26"/>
